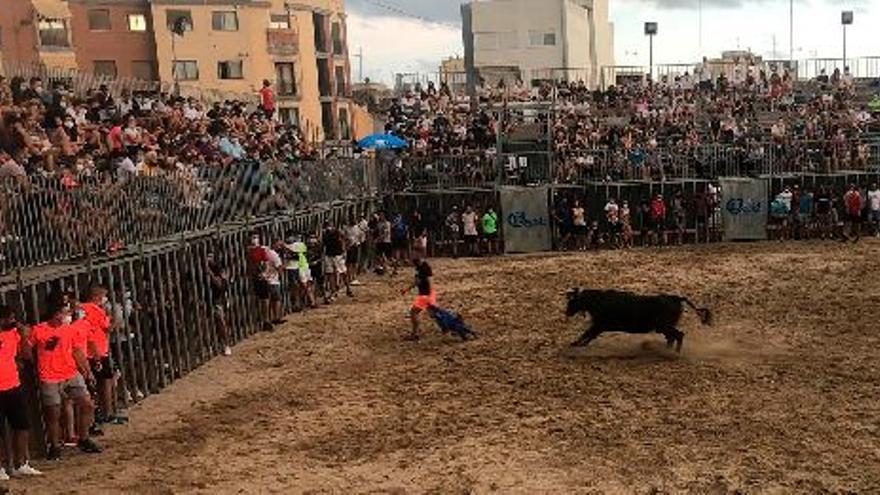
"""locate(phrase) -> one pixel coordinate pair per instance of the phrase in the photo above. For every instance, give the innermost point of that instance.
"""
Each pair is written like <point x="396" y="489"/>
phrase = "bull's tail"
<point x="705" y="314"/>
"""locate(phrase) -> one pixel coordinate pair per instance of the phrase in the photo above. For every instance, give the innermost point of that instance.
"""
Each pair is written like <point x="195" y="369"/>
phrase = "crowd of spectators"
<point x="647" y="129"/>
<point x="48" y="130"/>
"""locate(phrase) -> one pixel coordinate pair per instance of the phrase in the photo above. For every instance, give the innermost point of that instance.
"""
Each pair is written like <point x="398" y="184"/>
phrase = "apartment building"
<point x="230" y="46"/>
<point x="538" y="39"/>
<point x="36" y="32"/>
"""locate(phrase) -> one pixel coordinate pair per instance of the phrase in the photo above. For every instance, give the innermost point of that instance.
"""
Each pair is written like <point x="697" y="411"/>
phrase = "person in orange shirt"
<point x="12" y="400"/>
<point x="63" y="370"/>
<point x="98" y="352"/>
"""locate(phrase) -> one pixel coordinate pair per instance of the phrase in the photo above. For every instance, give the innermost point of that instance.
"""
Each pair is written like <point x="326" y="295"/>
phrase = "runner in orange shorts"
<point x="427" y="296"/>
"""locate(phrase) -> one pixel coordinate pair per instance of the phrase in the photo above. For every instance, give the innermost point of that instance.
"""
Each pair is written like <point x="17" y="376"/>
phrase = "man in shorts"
<point x="352" y="233"/>
<point x="424" y="300"/>
<point x="63" y="371"/>
<point x="99" y="354"/>
<point x="257" y="260"/>
<point x="334" y="262"/>
<point x="12" y="399"/>
<point x="489" y="223"/>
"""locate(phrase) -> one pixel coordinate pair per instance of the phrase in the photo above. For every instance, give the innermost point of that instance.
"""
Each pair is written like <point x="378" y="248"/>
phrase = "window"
<point x="340" y="81"/>
<point x="327" y="121"/>
<point x="53" y="33"/>
<point x="99" y="20"/>
<point x="542" y="38"/>
<point x="184" y="17"/>
<point x="230" y="69"/>
<point x="224" y="21"/>
<point x="323" y="77"/>
<point x="289" y="116"/>
<point x="344" y="127"/>
<point x="285" y="81"/>
<point x="279" y="21"/>
<point x="186" y="70"/>
<point x="105" y="68"/>
<point x="320" y="35"/>
<point x="137" y="22"/>
<point x="145" y="70"/>
<point x="336" y="34"/>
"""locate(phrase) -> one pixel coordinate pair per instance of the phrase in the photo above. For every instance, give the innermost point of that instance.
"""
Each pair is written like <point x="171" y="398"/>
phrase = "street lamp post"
<point x="846" y="18"/>
<point x="650" y="32"/>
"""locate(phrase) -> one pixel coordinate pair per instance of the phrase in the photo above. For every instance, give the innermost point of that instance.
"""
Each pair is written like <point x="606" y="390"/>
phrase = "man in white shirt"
<point x="874" y="205"/>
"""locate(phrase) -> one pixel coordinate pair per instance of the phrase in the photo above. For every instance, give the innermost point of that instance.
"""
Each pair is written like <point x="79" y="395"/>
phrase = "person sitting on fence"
<point x="13" y="405"/>
<point x="99" y="355"/>
<point x="63" y="370"/>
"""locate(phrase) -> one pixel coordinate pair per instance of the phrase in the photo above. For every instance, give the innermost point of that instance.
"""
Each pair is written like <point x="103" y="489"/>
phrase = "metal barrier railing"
<point x="669" y="162"/>
<point x="47" y="220"/>
<point x="161" y="304"/>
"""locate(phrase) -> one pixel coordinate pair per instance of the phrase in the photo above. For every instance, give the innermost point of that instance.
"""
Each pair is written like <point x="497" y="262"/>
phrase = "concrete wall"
<point x="209" y="47"/>
<point x="569" y="19"/>
<point x="119" y="44"/>
<point x="517" y="17"/>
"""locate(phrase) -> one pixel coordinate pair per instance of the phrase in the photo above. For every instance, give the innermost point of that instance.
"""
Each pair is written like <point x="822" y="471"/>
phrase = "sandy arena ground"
<point x="782" y="395"/>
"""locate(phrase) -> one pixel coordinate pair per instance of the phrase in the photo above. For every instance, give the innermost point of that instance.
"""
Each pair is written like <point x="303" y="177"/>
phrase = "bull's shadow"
<point x="623" y="350"/>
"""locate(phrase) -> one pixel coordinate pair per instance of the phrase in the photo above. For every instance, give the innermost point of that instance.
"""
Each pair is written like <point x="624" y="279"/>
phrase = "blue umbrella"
<point x="382" y="142"/>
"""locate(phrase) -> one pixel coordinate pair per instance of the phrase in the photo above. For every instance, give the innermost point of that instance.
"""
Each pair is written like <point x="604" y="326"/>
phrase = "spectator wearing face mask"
<point x="63" y="371"/>
<point x="99" y="355"/>
<point x="13" y="406"/>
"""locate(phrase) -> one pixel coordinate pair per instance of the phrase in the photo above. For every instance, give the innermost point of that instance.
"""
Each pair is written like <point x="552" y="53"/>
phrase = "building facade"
<point x="538" y="39"/>
<point x="114" y="38"/>
<point x="227" y="46"/>
<point x="36" y="32"/>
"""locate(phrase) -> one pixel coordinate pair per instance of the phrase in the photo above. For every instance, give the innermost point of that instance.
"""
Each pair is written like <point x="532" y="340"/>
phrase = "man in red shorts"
<point x="63" y="370"/>
<point x="425" y="299"/>
<point x="12" y="399"/>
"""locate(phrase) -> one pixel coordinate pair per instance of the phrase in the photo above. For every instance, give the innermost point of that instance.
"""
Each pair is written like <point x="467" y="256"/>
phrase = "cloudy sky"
<point x="413" y="35"/>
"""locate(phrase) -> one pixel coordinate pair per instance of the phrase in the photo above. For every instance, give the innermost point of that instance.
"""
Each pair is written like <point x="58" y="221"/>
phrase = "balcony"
<point x="282" y="41"/>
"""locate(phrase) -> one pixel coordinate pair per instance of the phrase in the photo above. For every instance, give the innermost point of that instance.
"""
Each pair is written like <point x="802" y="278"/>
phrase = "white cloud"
<point x="393" y="45"/>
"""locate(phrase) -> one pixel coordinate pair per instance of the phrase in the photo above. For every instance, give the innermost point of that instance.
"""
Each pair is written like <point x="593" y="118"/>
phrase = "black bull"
<point x="615" y="311"/>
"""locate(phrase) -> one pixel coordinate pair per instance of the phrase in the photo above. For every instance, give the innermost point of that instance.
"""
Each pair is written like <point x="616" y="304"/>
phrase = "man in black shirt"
<point x="334" y="262"/>
<point x="426" y="298"/>
<point x="219" y="282"/>
<point x="824" y="217"/>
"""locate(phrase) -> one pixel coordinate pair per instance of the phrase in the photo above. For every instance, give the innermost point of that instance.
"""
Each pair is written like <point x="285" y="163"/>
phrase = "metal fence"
<point x="161" y="303"/>
<point x="605" y="164"/>
<point x="47" y="220"/>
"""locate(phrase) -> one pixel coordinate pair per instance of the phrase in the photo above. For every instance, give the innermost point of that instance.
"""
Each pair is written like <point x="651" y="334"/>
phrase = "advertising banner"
<point x="744" y="209"/>
<point x="526" y="219"/>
